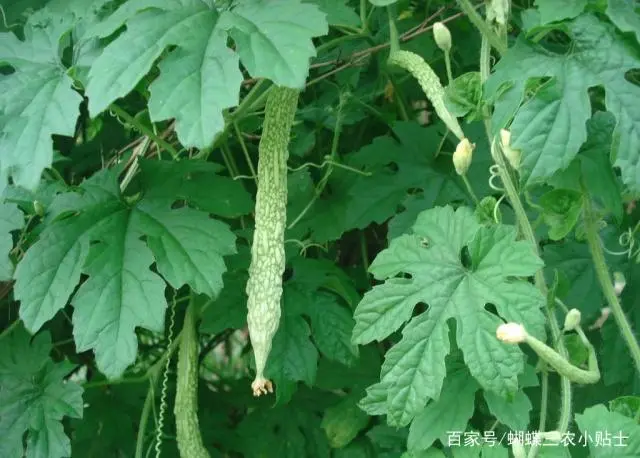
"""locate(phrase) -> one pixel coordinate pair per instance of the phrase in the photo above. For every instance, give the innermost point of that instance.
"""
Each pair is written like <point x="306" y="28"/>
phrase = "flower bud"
<point x="512" y="155"/>
<point x="619" y="282"/>
<point x="511" y="333"/>
<point x="572" y="320"/>
<point x="505" y="137"/>
<point x="442" y="36"/>
<point x="462" y="156"/>
<point x="38" y="208"/>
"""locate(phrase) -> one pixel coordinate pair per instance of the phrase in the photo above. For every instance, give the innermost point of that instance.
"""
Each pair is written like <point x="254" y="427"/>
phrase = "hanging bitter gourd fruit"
<point x="264" y="288"/>
<point x="188" y="436"/>
<point x="430" y="84"/>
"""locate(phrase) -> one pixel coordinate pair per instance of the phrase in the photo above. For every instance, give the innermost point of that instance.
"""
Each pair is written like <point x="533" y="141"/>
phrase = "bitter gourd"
<point x="430" y="84"/>
<point x="264" y="288"/>
<point x="188" y="435"/>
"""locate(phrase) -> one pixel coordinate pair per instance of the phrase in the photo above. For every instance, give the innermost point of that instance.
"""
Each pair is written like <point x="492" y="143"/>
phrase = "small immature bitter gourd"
<point x="430" y="84"/>
<point x="186" y="404"/>
<point x="264" y="288"/>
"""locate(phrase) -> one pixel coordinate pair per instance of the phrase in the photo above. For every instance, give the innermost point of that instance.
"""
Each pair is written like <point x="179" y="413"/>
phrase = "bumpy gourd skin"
<point x="264" y="288"/>
<point x="186" y="405"/>
<point x="430" y="84"/>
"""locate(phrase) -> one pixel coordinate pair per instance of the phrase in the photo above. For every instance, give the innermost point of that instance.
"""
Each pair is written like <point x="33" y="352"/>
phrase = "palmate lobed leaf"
<point x="414" y="368"/>
<point x="36" y="102"/>
<point x="103" y="239"/>
<point x="201" y="77"/>
<point x="619" y="435"/>
<point x="272" y="41"/>
<point x="550" y="128"/>
<point x="34" y="397"/>
<point x="395" y="167"/>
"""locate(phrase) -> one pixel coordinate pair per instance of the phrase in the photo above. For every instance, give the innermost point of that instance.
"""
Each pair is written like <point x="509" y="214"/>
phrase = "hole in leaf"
<point x="557" y="41"/>
<point x="421" y="307"/>
<point x="633" y="76"/>
<point x="491" y="309"/>
<point x="465" y="258"/>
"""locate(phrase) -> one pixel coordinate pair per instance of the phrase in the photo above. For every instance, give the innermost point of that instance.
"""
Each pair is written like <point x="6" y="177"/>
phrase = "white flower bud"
<point x="512" y="155"/>
<point x="511" y="333"/>
<point x="462" y="156"/>
<point x="38" y="208"/>
<point x="442" y="36"/>
<point x="505" y="137"/>
<point x="572" y="320"/>
<point x="619" y="282"/>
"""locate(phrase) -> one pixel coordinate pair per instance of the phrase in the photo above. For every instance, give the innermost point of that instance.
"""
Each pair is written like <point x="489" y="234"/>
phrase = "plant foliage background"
<point x="129" y="134"/>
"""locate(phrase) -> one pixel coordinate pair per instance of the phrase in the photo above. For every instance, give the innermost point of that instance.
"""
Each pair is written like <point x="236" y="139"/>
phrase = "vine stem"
<point x="144" y="130"/>
<point x="245" y="151"/>
<point x="165" y="381"/>
<point x="602" y="272"/>
<point x="142" y="426"/>
<point x="470" y="189"/>
<point x="363" y="15"/>
<point x="482" y="26"/>
<point x="334" y="152"/>
<point x="447" y="63"/>
<point x="522" y="219"/>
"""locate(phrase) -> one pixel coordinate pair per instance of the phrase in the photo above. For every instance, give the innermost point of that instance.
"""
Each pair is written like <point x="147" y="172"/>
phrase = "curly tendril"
<point x="165" y="382"/>
<point x="494" y="170"/>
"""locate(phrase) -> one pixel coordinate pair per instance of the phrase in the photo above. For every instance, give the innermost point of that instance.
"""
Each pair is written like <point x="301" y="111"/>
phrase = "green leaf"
<point x="495" y="451"/>
<point x="599" y="178"/>
<point x="552" y="10"/>
<point x="343" y="421"/>
<point x="197" y="81"/>
<point x="17" y="11"/>
<point x="624" y="14"/>
<point x="464" y="94"/>
<point x="619" y="435"/>
<point x="450" y="412"/>
<point x="197" y="182"/>
<point x="229" y="310"/>
<point x="312" y="274"/>
<point x="395" y="167"/>
<point x="34" y="397"/>
<point x="617" y="363"/>
<point x="580" y="285"/>
<point x="431" y="453"/>
<point x="452" y="287"/>
<point x="36" y="102"/>
<point x="382" y="2"/>
<point x="332" y="325"/>
<point x="514" y="413"/>
<point x="625" y="405"/>
<point x="385" y="437"/>
<point x="338" y="14"/>
<point x="293" y="357"/>
<point x="104" y="430"/>
<point x="102" y="238"/>
<point x="550" y="128"/>
<point x="562" y="208"/>
<point x="11" y="219"/>
<point x="293" y="431"/>
<point x="188" y="245"/>
<point x="272" y="41"/>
